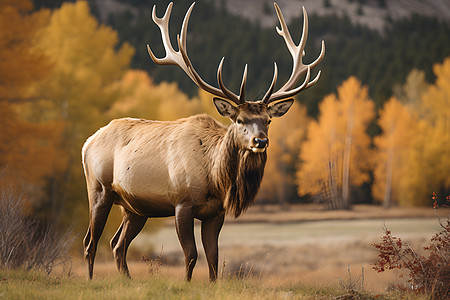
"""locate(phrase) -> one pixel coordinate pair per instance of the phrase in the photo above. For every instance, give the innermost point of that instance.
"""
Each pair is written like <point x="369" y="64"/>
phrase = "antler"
<point x="181" y="59"/>
<point x="298" y="69"/>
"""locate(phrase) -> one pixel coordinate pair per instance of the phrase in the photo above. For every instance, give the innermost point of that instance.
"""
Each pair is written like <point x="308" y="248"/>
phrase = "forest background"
<point x="374" y="129"/>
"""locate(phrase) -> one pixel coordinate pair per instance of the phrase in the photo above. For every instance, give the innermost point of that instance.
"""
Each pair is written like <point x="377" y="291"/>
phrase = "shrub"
<point x="427" y="274"/>
<point x="25" y="242"/>
<point x="352" y="283"/>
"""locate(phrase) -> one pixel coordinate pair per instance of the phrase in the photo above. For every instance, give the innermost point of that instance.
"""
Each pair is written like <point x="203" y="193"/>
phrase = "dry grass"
<point x="33" y="285"/>
<point x="280" y="259"/>
<point x="289" y="252"/>
<point x="25" y="242"/>
<point x="326" y="278"/>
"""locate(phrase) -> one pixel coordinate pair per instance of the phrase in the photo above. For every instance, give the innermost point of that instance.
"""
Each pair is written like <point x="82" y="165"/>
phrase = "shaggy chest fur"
<point x="237" y="174"/>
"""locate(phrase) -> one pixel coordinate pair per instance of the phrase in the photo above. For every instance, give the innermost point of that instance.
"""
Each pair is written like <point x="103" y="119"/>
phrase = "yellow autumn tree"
<point x="20" y="65"/>
<point x="177" y="104"/>
<point x="29" y="151"/>
<point x="317" y="155"/>
<point x="337" y="152"/>
<point x="87" y="62"/>
<point x="140" y="97"/>
<point x="286" y="136"/>
<point x="428" y="169"/>
<point x="399" y="127"/>
<point x="436" y="106"/>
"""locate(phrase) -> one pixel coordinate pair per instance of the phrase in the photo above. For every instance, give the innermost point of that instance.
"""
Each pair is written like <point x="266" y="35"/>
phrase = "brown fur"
<point x="243" y="191"/>
<point x="191" y="168"/>
<point x="238" y="175"/>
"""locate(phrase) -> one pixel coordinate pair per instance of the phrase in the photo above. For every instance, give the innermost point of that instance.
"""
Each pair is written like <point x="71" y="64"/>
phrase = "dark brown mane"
<point x="245" y="186"/>
<point x="239" y="175"/>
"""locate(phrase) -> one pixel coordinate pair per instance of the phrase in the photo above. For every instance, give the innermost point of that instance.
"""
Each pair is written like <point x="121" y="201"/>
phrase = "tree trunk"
<point x="281" y="189"/>
<point x="333" y="201"/>
<point x="346" y="162"/>
<point x="388" y="185"/>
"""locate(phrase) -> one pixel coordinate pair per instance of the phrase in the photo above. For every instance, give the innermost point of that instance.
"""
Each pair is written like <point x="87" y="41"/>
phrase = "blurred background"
<point x="374" y="131"/>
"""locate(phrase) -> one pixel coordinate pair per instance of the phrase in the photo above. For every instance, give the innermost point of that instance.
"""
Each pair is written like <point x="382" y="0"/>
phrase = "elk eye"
<point x="268" y="122"/>
<point x="239" y="121"/>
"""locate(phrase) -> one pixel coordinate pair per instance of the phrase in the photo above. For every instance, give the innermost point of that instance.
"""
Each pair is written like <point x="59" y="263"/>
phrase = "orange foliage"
<point x="399" y="127"/>
<point x="413" y="151"/>
<point x="28" y="151"/>
<point x="19" y="64"/>
<point x="429" y="154"/>
<point x="141" y="98"/>
<point x="79" y="91"/>
<point x="337" y="143"/>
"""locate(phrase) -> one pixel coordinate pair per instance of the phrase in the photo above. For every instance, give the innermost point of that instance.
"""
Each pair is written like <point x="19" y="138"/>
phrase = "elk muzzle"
<point x="259" y="144"/>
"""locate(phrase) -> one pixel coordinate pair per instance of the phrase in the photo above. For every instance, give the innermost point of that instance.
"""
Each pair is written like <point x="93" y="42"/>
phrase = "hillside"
<point x="371" y="13"/>
<point x="400" y="35"/>
<point x="374" y="14"/>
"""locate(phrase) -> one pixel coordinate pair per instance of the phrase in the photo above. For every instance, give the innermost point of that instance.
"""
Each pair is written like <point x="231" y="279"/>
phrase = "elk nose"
<point x="261" y="143"/>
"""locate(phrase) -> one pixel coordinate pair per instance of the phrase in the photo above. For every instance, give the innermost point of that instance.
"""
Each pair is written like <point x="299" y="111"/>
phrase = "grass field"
<point x="312" y="252"/>
<point x="283" y="257"/>
<point x="22" y="285"/>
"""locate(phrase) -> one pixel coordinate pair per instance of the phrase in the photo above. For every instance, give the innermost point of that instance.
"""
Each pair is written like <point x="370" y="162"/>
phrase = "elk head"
<point x="250" y="119"/>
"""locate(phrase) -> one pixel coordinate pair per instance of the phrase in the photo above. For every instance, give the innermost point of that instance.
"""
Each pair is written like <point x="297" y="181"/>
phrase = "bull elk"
<point x="188" y="168"/>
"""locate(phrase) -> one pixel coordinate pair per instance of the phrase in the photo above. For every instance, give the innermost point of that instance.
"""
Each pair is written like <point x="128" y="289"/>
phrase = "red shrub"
<point x="430" y="274"/>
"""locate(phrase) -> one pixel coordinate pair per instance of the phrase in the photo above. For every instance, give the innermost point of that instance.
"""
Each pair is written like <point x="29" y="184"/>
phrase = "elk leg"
<point x="116" y="237"/>
<point x="100" y="206"/>
<point x="210" y="235"/>
<point x="184" y="221"/>
<point x="131" y="225"/>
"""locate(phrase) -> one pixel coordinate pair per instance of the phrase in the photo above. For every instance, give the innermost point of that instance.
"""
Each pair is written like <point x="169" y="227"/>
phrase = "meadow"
<point x="325" y="257"/>
<point x="25" y="285"/>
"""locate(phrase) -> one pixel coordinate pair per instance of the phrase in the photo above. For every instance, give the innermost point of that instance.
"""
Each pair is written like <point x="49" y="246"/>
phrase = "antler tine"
<point x="197" y="79"/>
<point x="312" y="82"/>
<point x="286" y="94"/>
<point x="243" y="82"/>
<point x="320" y="57"/>
<point x="157" y="21"/>
<point x="269" y="92"/>
<point x="180" y="57"/>
<point x="172" y="57"/>
<point x="284" y="31"/>
<point x="184" y="26"/>
<point x="297" y="52"/>
<point x="230" y="95"/>
<point x="162" y="23"/>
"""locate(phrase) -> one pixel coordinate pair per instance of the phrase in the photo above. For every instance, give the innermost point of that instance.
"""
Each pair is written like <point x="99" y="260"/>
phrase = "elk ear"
<point x="280" y="108"/>
<point x="225" y="108"/>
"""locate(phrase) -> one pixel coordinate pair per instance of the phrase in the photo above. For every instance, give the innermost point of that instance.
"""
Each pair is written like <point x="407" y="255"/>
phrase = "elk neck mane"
<point x="236" y="173"/>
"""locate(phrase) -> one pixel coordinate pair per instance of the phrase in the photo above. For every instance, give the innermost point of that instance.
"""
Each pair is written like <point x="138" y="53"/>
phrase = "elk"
<point x="188" y="168"/>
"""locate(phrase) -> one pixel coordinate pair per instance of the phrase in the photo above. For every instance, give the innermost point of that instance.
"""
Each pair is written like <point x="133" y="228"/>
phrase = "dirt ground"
<point x="316" y="212"/>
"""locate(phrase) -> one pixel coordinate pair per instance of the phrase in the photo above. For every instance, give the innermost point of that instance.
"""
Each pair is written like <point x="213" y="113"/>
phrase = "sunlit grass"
<point x="17" y="284"/>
